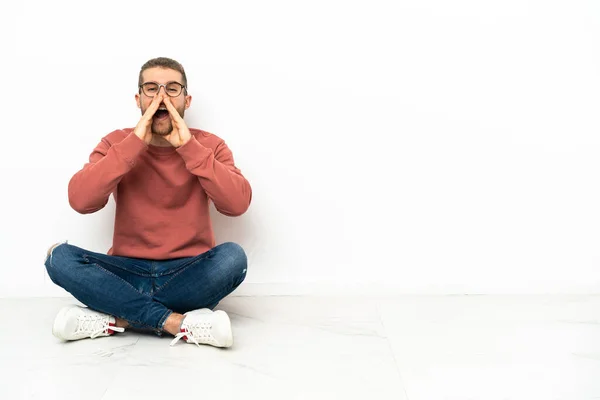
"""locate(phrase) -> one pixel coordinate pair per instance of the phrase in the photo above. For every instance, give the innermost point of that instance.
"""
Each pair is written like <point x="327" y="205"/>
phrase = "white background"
<point x="401" y="146"/>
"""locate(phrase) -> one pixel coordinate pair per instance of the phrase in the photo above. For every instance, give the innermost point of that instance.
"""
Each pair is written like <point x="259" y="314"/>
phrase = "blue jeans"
<point x="145" y="292"/>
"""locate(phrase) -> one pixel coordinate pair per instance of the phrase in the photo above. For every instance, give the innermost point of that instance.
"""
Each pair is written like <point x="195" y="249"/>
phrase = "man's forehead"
<point x="161" y="75"/>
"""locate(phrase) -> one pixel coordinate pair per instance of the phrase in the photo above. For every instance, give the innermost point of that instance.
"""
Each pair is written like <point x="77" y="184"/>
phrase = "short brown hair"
<point x="163" y="62"/>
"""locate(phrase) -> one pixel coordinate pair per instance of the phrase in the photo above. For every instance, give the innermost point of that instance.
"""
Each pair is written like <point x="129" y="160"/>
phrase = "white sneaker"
<point x="206" y="327"/>
<point x="74" y="323"/>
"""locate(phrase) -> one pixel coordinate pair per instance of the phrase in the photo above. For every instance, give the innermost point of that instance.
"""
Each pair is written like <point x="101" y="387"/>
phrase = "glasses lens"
<point x="150" y="88"/>
<point x="173" y="89"/>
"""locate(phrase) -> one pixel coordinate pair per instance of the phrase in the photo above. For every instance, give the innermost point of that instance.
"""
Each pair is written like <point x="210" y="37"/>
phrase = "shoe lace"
<point x="95" y="325"/>
<point x="195" y="332"/>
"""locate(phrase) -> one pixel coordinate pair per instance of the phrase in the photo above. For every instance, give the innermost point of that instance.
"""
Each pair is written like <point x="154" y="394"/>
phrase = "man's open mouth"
<point x="161" y="113"/>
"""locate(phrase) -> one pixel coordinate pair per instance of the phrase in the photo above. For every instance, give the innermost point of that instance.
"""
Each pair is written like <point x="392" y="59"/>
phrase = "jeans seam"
<point x="134" y="289"/>
<point x="179" y="273"/>
<point x="118" y="277"/>
<point x="187" y="264"/>
<point x="88" y="256"/>
<point x="181" y="270"/>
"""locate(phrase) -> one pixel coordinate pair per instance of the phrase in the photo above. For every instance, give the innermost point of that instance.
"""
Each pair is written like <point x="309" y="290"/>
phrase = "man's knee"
<point x="236" y="253"/>
<point x="49" y="267"/>
<point x="233" y="263"/>
<point x="51" y="251"/>
<point x="55" y="260"/>
<point x="51" y="248"/>
<point x="237" y="264"/>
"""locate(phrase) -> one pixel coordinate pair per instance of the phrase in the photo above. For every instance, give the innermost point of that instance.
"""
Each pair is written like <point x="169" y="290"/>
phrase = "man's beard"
<point x="162" y="128"/>
<point x="165" y="126"/>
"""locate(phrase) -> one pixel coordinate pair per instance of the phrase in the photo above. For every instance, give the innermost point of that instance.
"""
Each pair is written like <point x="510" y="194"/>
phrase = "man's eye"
<point x="172" y="90"/>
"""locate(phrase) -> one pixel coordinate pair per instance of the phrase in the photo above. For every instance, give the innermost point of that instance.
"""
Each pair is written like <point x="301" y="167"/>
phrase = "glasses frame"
<point x="183" y="88"/>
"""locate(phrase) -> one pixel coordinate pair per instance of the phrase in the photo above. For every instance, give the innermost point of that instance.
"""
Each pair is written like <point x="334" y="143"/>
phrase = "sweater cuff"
<point x="193" y="153"/>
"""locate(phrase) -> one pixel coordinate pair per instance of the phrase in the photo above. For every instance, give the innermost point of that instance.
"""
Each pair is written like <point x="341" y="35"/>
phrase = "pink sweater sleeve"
<point x="90" y="188"/>
<point x="221" y="180"/>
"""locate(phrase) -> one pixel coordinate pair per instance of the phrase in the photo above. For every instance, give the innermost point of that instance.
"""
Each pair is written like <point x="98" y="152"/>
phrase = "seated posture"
<point x="163" y="271"/>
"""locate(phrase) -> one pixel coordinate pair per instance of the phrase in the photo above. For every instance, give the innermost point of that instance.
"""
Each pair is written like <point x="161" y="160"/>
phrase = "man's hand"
<point x="143" y="129"/>
<point x="180" y="134"/>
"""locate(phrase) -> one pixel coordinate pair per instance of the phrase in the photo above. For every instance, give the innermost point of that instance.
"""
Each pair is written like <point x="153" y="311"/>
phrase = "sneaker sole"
<point x="224" y="319"/>
<point x="59" y="322"/>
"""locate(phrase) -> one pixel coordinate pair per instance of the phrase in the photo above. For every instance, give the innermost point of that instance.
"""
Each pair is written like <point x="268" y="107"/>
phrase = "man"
<point x="163" y="271"/>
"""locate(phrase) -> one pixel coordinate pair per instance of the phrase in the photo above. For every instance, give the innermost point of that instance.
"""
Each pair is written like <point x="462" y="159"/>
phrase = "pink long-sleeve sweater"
<point x="162" y="194"/>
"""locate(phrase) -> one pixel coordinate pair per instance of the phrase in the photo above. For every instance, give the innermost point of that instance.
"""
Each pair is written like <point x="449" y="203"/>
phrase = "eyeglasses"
<point x="172" y="89"/>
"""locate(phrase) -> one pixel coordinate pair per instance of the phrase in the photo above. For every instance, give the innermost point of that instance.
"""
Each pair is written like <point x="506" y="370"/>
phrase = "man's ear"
<point x="137" y="100"/>
<point x="188" y="101"/>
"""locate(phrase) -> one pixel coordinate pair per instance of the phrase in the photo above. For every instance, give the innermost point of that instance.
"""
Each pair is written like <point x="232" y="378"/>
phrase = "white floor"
<point x="411" y="347"/>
